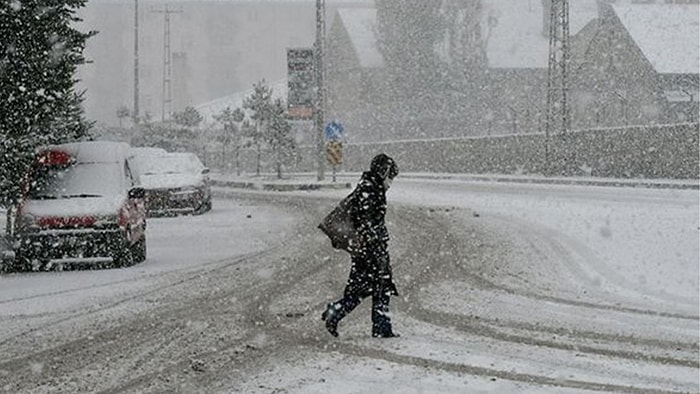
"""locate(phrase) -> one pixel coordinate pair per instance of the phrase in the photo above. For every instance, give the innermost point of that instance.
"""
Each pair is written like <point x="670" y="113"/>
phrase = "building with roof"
<point x="355" y="71"/>
<point x="633" y="62"/>
<point x="516" y="35"/>
<point x="638" y="63"/>
<point x="512" y="99"/>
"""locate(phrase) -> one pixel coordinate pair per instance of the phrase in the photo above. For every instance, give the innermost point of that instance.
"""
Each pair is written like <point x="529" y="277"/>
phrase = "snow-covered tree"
<point x="40" y="50"/>
<point x="123" y="112"/>
<point x="278" y="135"/>
<point x="231" y="134"/>
<point x="259" y="103"/>
<point x="189" y="117"/>
<point x="270" y="125"/>
<point x="166" y="135"/>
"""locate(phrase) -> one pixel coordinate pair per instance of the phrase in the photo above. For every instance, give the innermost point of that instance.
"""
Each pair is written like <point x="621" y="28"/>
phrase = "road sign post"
<point x="334" y="154"/>
<point x="334" y="133"/>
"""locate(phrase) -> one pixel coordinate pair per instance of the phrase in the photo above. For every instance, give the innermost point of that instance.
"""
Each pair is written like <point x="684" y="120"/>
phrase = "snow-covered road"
<point x="504" y="288"/>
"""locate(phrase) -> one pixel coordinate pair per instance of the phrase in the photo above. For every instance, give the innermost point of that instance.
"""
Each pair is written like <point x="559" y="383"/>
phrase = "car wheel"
<point x="138" y="250"/>
<point x="123" y="256"/>
<point x="9" y="265"/>
<point x="21" y="263"/>
<point x="205" y="207"/>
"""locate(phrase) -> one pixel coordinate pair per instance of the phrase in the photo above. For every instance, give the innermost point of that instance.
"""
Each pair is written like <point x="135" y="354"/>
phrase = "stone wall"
<point x="652" y="152"/>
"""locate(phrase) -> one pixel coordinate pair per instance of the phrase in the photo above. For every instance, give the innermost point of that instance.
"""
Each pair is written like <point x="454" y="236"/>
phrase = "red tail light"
<point x="123" y="218"/>
<point x="54" y="158"/>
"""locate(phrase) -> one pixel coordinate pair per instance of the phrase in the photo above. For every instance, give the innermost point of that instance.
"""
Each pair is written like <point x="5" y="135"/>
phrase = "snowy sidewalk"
<point x="345" y="180"/>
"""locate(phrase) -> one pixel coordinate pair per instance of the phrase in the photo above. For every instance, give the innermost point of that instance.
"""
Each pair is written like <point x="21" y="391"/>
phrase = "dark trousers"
<point x="364" y="282"/>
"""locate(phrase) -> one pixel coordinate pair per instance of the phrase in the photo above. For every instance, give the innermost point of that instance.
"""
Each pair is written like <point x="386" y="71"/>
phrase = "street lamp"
<point x="320" y="99"/>
<point x="135" y="113"/>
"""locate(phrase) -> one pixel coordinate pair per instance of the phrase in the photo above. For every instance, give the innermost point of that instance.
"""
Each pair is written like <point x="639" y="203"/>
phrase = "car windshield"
<point x="76" y="180"/>
<point x="172" y="165"/>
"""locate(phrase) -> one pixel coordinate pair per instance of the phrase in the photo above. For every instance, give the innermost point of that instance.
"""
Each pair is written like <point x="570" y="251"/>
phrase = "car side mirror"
<point x="137" y="192"/>
<point x="205" y="171"/>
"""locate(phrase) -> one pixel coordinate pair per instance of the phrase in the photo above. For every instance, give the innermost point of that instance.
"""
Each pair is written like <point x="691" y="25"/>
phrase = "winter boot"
<point x="332" y="316"/>
<point x="381" y="321"/>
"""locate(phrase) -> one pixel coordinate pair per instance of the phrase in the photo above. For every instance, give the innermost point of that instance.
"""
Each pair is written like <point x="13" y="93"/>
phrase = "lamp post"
<point x="135" y="113"/>
<point x="558" y="112"/>
<point x="320" y="99"/>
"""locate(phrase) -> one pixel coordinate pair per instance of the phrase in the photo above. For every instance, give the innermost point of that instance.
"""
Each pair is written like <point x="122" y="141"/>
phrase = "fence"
<point x="652" y="152"/>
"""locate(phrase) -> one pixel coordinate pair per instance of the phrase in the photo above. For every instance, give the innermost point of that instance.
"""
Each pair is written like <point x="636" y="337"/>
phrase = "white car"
<point x="175" y="183"/>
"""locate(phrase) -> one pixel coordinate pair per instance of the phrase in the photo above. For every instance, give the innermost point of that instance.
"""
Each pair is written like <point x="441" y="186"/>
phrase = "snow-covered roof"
<point x="513" y="29"/>
<point x="360" y="24"/>
<point x="668" y="35"/>
<point x="235" y="100"/>
<point x="94" y="151"/>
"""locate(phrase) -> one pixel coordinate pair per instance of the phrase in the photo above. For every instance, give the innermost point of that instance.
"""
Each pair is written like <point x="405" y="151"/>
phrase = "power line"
<point x="167" y="66"/>
<point x="558" y="117"/>
<point x="135" y="113"/>
<point x="320" y="97"/>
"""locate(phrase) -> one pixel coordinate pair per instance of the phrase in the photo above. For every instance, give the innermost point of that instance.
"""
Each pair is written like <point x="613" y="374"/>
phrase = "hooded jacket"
<point x="369" y="209"/>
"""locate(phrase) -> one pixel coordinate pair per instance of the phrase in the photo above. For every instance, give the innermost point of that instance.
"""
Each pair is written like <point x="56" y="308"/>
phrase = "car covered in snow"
<point x="140" y="155"/>
<point x="80" y="206"/>
<point x="175" y="183"/>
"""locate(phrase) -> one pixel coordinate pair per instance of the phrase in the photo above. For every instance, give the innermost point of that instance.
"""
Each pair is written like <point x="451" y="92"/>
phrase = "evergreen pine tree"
<point x="278" y="134"/>
<point x="231" y="120"/>
<point x="40" y="51"/>
<point x="259" y="104"/>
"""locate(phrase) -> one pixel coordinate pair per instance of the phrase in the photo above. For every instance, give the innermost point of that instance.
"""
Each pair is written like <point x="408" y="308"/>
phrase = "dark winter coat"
<point x="371" y="266"/>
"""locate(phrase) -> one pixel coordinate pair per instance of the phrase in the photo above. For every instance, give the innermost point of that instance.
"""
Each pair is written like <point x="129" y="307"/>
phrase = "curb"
<point x="280" y="187"/>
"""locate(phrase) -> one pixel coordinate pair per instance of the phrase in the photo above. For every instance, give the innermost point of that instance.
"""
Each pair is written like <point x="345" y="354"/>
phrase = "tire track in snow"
<point x="493" y="327"/>
<point x="267" y="330"/>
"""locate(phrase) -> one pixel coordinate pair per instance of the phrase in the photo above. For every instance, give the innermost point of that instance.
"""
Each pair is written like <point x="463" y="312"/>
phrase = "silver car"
<point x="175" y="183"/>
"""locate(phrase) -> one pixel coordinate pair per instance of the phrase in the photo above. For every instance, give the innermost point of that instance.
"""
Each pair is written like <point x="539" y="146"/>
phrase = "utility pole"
<point x="558" y="111"/>
<point x="320" y="97"/>
<point x="135" y="112"/>
<point x="167" y="67"/>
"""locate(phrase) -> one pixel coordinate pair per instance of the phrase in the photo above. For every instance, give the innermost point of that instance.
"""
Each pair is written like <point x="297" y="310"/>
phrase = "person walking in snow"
<point x="370" y="272"/>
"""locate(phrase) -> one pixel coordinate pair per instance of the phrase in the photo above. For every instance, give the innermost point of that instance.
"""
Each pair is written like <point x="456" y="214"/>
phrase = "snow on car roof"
<point x="147" y="150"/>
<point x="171" y="162"/>
<point x="93" y="151"/>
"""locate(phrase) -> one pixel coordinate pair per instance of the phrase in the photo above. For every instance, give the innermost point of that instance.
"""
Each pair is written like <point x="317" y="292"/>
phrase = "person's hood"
<point x="374" y="178"/>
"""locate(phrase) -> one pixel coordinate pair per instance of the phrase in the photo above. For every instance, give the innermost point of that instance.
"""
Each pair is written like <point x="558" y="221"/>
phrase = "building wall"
<point x="515" y="101"/>
<point x="633" y="152"/>
<point x="355" y="95"/>
<point x="343" y="72"/>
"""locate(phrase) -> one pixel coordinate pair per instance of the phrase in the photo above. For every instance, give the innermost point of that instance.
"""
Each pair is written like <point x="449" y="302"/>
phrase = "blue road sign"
<point x="334" y="131"/>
